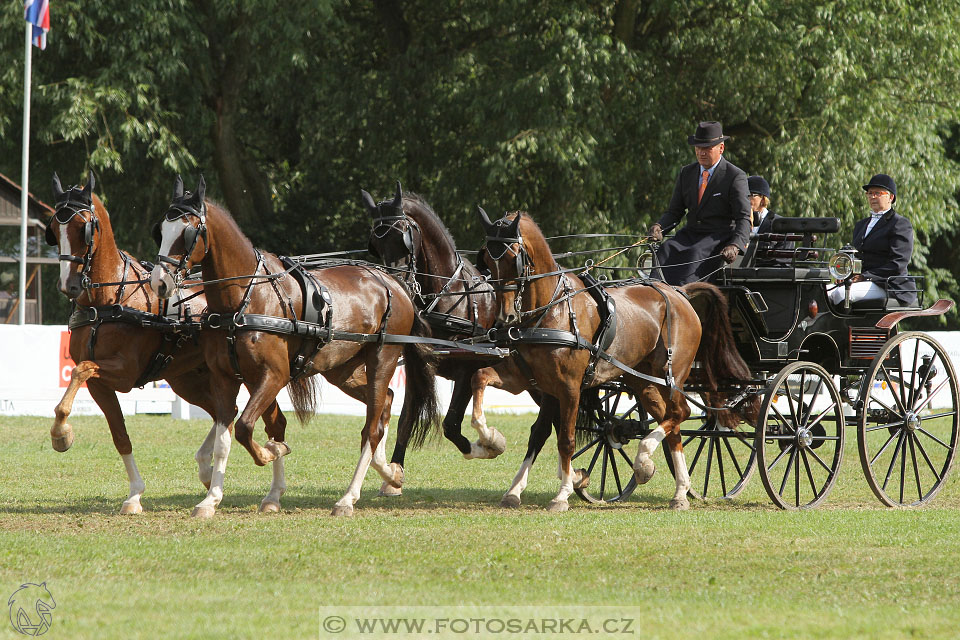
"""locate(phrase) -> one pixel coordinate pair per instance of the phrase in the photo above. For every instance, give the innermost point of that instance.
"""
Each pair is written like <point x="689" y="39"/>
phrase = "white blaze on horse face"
<point x="65" y="249"/>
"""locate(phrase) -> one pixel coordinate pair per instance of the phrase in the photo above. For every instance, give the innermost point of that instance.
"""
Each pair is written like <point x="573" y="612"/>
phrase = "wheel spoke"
<point x="596" y="454"/>
<point x="603" y="472"/>
<point x="884" y="447"/>
<point x="916" y="467"/>
<point x="822" y="415"/>
<point x="932" y="395"/>
<point x="625" y="457"/>
<point x="813" y="399"/>
<point x="616" y="474"/>
<point x="723" y="477"/>
<point x="786" y="474"/>
<point x="923" y="452"/>
<point x="895" y="394"/>
<point x="733" y="458"/>
<point x="706" y="475"/>
<point x="934" y="438"/>
<point x="893" y="460"/>
<point x="592" y="442"/>
<point x="806" y="466"/>
<point x="776" y="460"/>
<point x="915" y="388"/>
<point x="696" y="456"/>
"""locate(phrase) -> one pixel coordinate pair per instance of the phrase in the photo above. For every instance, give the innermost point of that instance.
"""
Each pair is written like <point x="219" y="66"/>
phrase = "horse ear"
<point x="57" y="188"/>
<point x="484" y="219"/>
<point x="178" y="188"/>
<point x="514" y="227"/>
<point x="368" y="202"/>
<point x="398" y="198"/>
<point x="201" y="189"/>
<point x="88" y="190"/>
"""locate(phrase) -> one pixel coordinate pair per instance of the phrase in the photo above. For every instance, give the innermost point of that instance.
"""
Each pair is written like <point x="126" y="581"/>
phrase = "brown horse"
<point x="659" y="334"/>
<point x="263" y="329"/>
<point x="455" y="299"/>
<point x="122" y="335"/>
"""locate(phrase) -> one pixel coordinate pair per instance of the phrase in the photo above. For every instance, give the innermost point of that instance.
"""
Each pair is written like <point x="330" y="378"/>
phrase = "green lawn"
<point x="738" y="569"/>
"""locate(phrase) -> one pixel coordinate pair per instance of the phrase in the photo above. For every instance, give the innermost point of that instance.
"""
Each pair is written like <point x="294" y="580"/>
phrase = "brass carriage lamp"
<point x="842" y="266"/>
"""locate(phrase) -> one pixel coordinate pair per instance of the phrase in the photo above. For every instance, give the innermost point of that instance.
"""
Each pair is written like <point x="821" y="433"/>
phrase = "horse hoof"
<point x="558" y="506"/>
<point x="397" y="480"/>
<point x="342" y="510"/>
<point x="278" y="449"/>
<point x="203" y="512"/>
<point x="389" y="491"/>
<point x="64" y="442"/>
<point x="479" y="451"/>
<point x="510" y="501"/>
<point x="130" y="508"/>
<point x="581" y="479"/>
<point x="679" y="504"/>
<point x="496" y="444"/>
<point x="269" y="507"/>
<point x="644" y="470"/>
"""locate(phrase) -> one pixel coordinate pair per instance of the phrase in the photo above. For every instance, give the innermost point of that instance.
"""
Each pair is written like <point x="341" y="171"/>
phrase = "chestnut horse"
<point x="456" y="300"/>
<point x="659" y="334"/>
<point x="118" y="338"/>
<point x="260" y="331"/>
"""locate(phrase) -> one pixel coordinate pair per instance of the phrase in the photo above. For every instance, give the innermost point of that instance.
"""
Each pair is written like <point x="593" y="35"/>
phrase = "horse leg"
<point x="225" y="390"/>
<point x="491" y="442"/>
<point x="61" y="433"/>
<point x="194" y="387"/>
<point x="204" y="457"/>
<point x="106" y="399"/>
<point x="675" y="443"/>
<point x="275" y="424"/>
<point x="539" y="432"/>
<point x="379" y="398"/>
<point x="652" y="401"/>
<point x="263" y="395"/>
<point x="566" y="425"/>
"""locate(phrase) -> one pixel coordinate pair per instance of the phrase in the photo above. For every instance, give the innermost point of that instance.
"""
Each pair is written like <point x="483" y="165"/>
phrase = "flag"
<point x="37" y="13"/>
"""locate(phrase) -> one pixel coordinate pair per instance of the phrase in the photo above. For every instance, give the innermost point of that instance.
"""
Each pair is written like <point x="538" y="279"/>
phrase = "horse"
<point x="122" y="334"/>
<point x="273" y="324"/>
<point x="659" y="334"/>
<point x="453" y="296"/>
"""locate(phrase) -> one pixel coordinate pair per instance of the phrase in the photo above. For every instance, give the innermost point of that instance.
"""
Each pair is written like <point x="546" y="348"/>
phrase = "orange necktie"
<point x="703" y="185"/>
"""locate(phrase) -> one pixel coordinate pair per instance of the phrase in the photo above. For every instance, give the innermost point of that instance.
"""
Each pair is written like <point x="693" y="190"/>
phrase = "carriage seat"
<point x="745" y="275"/>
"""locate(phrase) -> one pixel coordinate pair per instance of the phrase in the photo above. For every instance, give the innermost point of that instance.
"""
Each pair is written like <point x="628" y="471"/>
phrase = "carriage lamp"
<point x="812" y="309"/>
<point x="842" y="265"/>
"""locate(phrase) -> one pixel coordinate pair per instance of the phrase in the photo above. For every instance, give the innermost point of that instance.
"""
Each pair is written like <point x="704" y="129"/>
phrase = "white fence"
<point x="35" y="369"/>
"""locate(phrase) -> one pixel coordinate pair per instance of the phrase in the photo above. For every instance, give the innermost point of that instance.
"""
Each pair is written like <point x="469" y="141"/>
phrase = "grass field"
<point x="739" y="569"/>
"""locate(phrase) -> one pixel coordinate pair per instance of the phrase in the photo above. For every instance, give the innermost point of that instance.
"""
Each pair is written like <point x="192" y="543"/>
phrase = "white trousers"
<point x="864" y="290"/>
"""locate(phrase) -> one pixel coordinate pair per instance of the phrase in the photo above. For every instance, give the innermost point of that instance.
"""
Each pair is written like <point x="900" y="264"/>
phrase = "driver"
<point x="712" y="193"/>
<point x="884" y="241"/>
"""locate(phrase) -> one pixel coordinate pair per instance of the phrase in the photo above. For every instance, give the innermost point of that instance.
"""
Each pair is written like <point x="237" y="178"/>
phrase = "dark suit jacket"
<point x="885" y="252"/>
<point x="725" y="206"/>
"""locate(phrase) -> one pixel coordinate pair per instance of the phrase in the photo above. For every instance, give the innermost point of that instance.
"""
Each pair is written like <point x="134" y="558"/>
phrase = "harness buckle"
<point x="514" y="334"/>
<point x="213" y="321"/>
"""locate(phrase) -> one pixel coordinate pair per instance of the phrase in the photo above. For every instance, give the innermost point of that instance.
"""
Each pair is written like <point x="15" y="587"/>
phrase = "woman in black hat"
<point x="884" y="241"/>
<point x="762" y="222"/>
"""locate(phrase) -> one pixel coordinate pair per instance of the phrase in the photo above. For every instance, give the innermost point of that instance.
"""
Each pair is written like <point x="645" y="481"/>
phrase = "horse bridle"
<point x="191" y="235"/>
<point x="523" y="264"/>
<point x="73" y="208"/>
<point x="405" y="226"/>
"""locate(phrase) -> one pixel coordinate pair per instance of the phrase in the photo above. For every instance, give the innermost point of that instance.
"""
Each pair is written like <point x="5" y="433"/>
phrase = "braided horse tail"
<point x="717" y="353"/>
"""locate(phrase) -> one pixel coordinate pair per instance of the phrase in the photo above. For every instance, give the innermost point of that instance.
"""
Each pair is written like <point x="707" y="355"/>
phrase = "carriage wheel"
<point x="719" y="461"/>
<point x="800" y="437"/>
<point x="610" y="424"/>
<point x="907" y="427"/>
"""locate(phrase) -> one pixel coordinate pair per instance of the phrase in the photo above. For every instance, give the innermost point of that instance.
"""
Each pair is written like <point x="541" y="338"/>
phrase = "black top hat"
<point x="757" y="184"/>
<point x="882" y="181"/>
<point x="708" y="134"/>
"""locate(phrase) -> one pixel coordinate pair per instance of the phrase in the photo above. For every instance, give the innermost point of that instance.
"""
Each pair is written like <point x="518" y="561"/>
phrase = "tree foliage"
<point x="577" y="111"/>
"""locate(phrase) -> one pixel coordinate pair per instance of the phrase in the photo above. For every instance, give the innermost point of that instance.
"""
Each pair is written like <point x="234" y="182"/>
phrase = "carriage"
<point x="815" y="367"/>
<point x="822" y="370"/>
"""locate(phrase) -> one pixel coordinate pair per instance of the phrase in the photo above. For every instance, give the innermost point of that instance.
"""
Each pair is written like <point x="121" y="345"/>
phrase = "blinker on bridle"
<point x="67" y="209"/>
<point x="180" y="209"/>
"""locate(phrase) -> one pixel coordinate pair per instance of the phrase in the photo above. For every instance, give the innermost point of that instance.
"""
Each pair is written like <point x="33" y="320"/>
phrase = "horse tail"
<point x="717" y="352"/>
<point x="421" y="409"/>
<point x="303" y="395"/>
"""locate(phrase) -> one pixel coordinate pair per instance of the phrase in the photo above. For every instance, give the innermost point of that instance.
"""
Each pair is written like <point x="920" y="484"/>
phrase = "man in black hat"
<point x="884" y="241"/>
<point x="713" y="192"/>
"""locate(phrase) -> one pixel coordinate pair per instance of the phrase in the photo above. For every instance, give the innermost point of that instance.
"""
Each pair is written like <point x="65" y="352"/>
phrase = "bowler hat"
<point x="708" y="134"/>
<point x="757" y="184"/>
<point x="882" y="181"/>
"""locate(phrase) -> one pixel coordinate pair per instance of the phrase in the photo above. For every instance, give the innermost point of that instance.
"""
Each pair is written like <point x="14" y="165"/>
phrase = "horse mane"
<point x="224" y="213"/>
<point x="423" y="208"/>
<point x="530" y="231"/>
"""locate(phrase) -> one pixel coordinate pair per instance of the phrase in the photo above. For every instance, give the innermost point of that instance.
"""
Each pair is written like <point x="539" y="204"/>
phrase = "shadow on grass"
<point x="425" y="499"/>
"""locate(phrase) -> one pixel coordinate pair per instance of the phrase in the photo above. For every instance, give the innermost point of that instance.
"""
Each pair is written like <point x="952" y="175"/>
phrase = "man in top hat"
<point x="884" y="241"/>
<point x="762" y="222"/>
<point x="712" y="193"/>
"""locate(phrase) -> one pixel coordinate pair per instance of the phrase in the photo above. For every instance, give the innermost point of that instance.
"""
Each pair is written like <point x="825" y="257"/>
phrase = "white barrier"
<point x="35" y="369"/>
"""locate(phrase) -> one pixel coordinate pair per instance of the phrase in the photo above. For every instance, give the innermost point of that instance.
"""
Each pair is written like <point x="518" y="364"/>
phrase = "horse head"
<point x="504" y="254"/>
<point x="395" y="238"/>
<point x="181" y="238"/>
<point x="75" y="230"/>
